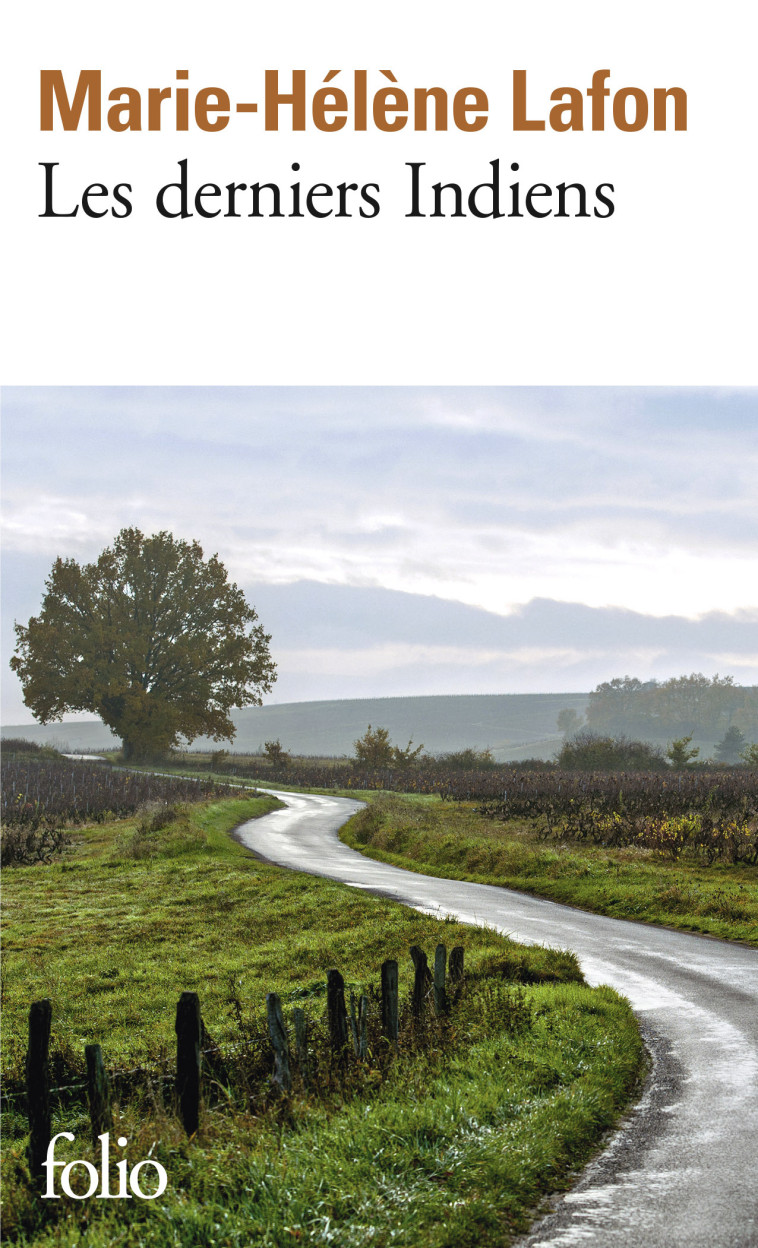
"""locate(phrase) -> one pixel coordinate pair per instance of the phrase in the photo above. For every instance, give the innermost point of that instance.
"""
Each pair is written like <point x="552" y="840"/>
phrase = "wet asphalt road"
<point x="683" y="1170"/>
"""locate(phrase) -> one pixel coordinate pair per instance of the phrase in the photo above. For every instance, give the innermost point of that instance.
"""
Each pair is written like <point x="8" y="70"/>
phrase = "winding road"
<point x="682" y="1172"/>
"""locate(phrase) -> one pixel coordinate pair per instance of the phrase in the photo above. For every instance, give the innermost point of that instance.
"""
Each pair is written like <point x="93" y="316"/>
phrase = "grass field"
<point x="452" y="1142"/>
<point x="454" y="841"/>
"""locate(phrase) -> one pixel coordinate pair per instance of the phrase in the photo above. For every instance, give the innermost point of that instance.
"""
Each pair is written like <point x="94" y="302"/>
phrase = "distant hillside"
<point x="78" y="736"/>
<point x="518" y="725"/>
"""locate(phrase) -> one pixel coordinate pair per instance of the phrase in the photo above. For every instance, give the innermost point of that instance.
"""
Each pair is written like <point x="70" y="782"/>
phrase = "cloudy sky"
<point x="416" y="540"/>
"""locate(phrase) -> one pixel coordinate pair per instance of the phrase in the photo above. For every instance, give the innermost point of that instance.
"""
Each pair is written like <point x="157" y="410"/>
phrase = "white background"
<point x="662" y="293"/>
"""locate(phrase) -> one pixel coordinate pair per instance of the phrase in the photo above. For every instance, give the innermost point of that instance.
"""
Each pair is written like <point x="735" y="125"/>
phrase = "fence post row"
<point x="190" y="1034"/>
<point x="189" y="1028"/>
<point x="38" y="1085"/>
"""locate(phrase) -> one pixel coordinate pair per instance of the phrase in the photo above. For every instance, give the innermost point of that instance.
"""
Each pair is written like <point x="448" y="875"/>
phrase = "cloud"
<point x="641" y="500"/>
<point x="336" y="641"/>
<point x="339" y="641"/>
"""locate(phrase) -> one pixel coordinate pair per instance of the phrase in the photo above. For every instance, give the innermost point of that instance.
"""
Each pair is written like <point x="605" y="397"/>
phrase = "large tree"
<point x="152" y="637"/>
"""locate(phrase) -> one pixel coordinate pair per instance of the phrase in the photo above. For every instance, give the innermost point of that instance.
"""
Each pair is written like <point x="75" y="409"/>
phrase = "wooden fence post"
<point x="38" y="1086"/>
<point x="456" y="964"/>
<point x="358" y="1024"/>
<point x="189" y="1028"/>
<point x="353" y="1023"/>
<point x="278" y="1033"/>
<point x="336" y="1012"/>
<point x="98" y="1093"/>
<point x="440" y="996"/>
<point x="363" y="1026"/>
<point x="301" y="1041"/>
<point x="389" y="1000"/>
<point x="421" y="980"/>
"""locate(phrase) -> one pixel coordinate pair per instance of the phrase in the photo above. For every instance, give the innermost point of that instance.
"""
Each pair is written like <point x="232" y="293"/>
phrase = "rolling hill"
<point x="511" y="725"/>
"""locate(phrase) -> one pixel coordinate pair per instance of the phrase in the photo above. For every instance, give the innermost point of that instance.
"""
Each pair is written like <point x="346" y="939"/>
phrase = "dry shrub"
<point x="27" y="846"/>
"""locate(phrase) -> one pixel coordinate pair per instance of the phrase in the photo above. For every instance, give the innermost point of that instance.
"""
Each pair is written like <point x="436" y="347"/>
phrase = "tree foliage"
<point x="729" y="749"/>
<point x="681" y="753"/>
<point x="694" y="705"/>
<point x="375" y="749"/>
<point x="276" y="753"/>
<point x="569" y="721"/>
<point x="406" y="756"/>
<point x="152" y="637"/>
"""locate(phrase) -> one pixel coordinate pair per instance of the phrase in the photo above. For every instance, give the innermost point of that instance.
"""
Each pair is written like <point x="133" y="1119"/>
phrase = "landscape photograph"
<point x="380" y="816"/>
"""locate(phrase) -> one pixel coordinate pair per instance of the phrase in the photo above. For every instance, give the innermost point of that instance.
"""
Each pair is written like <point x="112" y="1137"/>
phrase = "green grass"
<point x="455" y="842"/>
<point x="450" y="1144"/>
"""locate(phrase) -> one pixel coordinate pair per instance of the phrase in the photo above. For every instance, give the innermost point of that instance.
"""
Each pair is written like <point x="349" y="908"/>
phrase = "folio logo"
<point x="103" y="1177"/>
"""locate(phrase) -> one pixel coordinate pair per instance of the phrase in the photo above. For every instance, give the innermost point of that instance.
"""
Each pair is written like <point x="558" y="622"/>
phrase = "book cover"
<point x="379" y="449"/>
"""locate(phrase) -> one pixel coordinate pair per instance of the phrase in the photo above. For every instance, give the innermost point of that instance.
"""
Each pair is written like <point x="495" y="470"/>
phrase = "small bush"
<point x="27" y="846"/>
<point x="18" y="745"/>
<point x="467" y="760"/>
<point x="154" y="816"/>
<point x="588" y="751"/>
<point x="162" y="830"/>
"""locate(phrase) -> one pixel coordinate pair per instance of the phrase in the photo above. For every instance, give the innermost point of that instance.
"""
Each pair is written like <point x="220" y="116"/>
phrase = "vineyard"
<point x="426" y="777"/>
<point x="60" y="792"/>
<point x="711" y="815"/>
